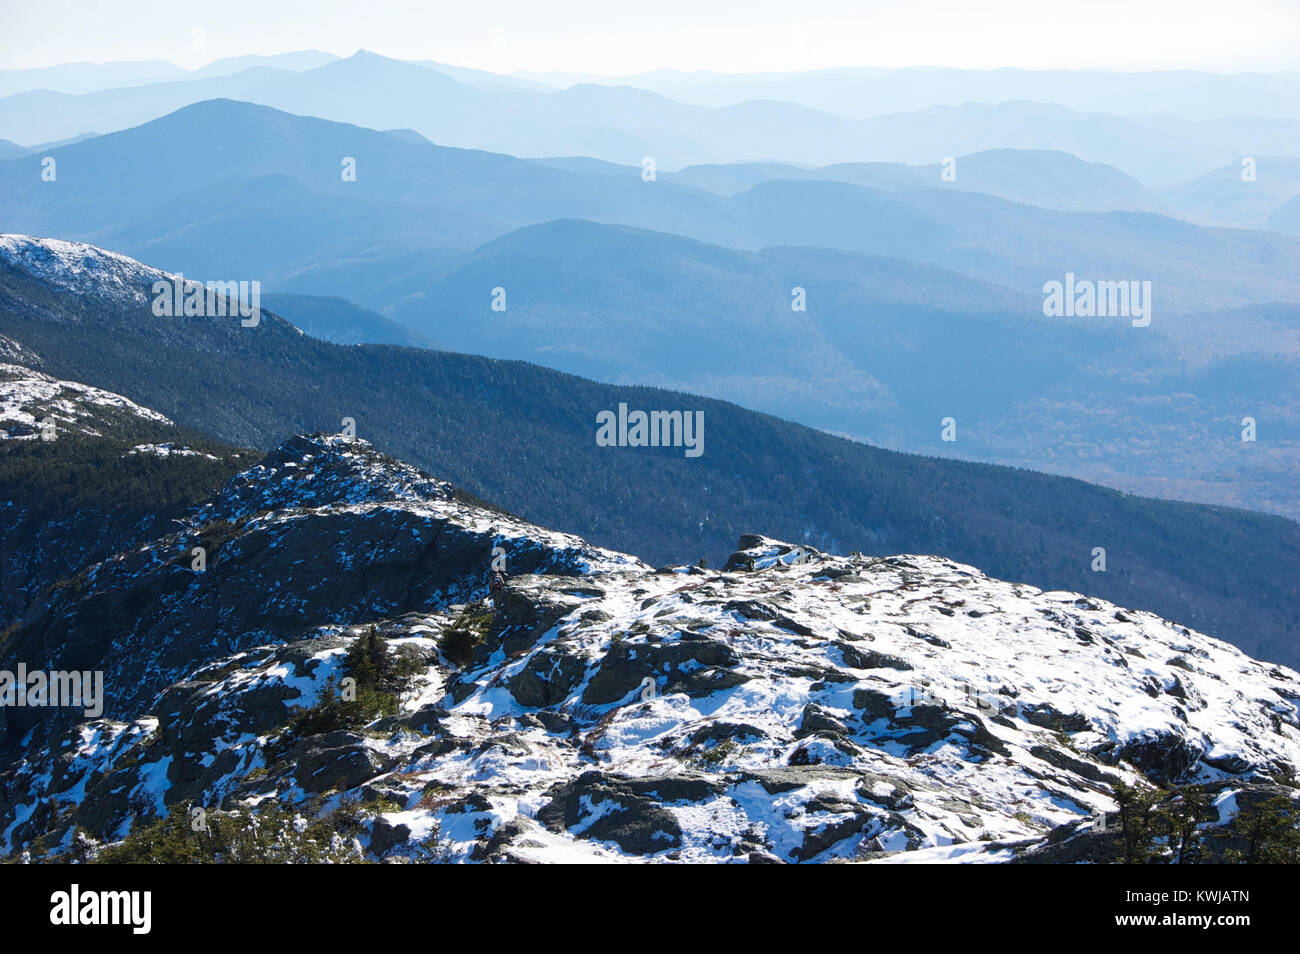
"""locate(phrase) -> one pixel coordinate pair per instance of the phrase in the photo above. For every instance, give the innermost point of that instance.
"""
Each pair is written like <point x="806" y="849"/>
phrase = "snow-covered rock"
<point x="795" y="706"/>
<point x="30" y="399"/>
<point x="79" y="266"/>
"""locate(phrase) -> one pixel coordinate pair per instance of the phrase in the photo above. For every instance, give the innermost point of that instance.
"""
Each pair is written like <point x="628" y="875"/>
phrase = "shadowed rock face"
<point x="795" y="707"/>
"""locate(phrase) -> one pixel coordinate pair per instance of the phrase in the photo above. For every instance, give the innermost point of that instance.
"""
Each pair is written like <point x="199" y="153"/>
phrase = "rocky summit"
<point x="793" y="706"/>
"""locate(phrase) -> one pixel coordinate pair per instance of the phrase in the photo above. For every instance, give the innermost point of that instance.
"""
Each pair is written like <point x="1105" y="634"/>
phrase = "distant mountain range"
<point x="623" y="124"/>
<point x="864" y="92"/>
<point x="855" y="92"/>
<point x="93" y="77"/>
<point x="1226" y="196"/>
<point x="144" y="191"/>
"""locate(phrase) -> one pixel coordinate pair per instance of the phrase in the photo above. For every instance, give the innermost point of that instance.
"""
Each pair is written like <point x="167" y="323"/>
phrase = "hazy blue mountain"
<point x="88" y="77"/>
<point x="587" y="164"/>
<point x="523" y="436"/>
<point x="563" y="79"/>
<point x="298" y="61"/>
<point x="729" y="178"/>
<point x="1153" y="149"/>
<point x="271" y="227"/>
<point x="632" y="306"/>
<point x="865" y="92"/>
<point x="281" y="207"/>
<point x="1190" y="267"/>
<point x="1048" y="179"/>
<point x="42" y="115"/>
<point x="465" y="74"/>
<point x="146" y="188"/>
<point x="407" y="135"/>
<point x="11" y="150"/>
<point x="624" y="124"/>
<point x="340" y="321"/>
<point x="381" y="93"/>
<point x="94" y="77"/>
<point x="375" y="276"/>
<point x="43" y="148"/>
<point x="1286" y="217"/>
<point x="1223" y="197"/>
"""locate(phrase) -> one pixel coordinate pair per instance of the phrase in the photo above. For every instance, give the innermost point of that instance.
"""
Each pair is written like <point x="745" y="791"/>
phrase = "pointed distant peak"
<point x="370" y="56"/>
<point x="371" y="62"/>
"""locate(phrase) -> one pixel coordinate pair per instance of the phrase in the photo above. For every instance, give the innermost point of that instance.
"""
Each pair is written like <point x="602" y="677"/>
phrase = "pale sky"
<point x="612" y="37"/>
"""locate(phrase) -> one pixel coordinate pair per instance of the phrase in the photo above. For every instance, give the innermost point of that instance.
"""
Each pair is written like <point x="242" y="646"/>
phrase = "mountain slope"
<point x="340" y="321"/>
<point x="885" y="349"/>
<point x="1022" y="246"/>
<point x="524" y="437"/>
<point x="1050" y="180"/>
<point x="1223" y="197"/>
<point x="1286" y="217"/>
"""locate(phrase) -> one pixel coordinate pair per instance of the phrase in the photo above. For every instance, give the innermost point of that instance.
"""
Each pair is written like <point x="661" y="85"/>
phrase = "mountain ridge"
<point x="523" y="436"/>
